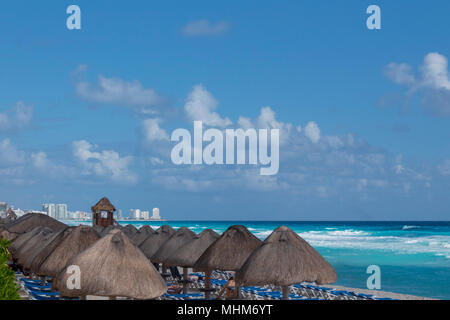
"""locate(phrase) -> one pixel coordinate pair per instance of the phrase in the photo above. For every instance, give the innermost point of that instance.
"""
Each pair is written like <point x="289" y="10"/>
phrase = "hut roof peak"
<point x="103" y="205"/>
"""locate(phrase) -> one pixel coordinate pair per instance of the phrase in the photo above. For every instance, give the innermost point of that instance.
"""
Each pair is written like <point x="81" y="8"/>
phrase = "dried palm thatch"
<point x="156" y="240"/>
<point x="130" y="230"/>
<point x="283" y="259"/>
<point x="188" y="254"/>
<point x="28" y="222"/>
<point x="26" y="248"/>
<point x="147" y="228"/>
<point x="77" y="241"/>
<point x="98" y="228"/>
<point x="42" y="250"/>
<point x="22" y="239"/>
<point x="113" y="267"/>
<point x="103" y="205"/>
<point x="180" y="237"/>
<point x="229" y="251"/>
<point x="106" y="230"/>
<point x="139" y="237"/>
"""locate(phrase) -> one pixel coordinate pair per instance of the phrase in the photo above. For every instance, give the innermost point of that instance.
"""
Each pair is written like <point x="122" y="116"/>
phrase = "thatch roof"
<point x="146" y="228"/>
<point x="98" y="228"/>
<point x="188" y="254"/>
<point x="156" y="240"/>
<point x="284" y="259"/>
<point x="28" y="222"/>
<point x="139" y="237"/>
<point x="27" y="247"/>
<point x="180" y="237"/>
<point x="103" y="205"/>
<point x="230" y="251"/>
<point x="106" y="230"/>
<point x="22" y="239"/>
<point x="114" y="267"/>
<point x="77" y="241"/>
<point x="42" y="250"/>
<point x="130" y="230"/>
<point x="27" y="252"/>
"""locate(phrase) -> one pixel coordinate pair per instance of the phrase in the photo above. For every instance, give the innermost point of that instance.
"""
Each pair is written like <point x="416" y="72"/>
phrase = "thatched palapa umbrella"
<point x="284" y="259"/>
<point x="28" y="222"/>
<point x="142" y="234"/>
<point x="188" y="254"/>
<point x="22" y="239"/>
<point x="156" y="240"/>
<point x="77" y="241"/>
<point x="107" y="229"/>
<point x="29" y="246"/>
<point x="182" y="236"/>
<point x="113" y="267"/>
<point x="130" y="231"/>
<point x="228" y="252"/>
<point x="37" y="255"/>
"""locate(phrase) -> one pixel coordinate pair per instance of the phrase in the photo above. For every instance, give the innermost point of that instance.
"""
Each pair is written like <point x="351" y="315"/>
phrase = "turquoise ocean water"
<point x="414" y="257"/>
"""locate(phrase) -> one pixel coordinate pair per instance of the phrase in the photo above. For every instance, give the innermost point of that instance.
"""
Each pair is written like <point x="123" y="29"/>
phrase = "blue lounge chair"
<point x="36" y="287"/>
<point x="34" y="296"/>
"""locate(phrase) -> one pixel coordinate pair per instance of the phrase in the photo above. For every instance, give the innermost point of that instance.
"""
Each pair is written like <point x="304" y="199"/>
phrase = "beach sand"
<point x="384" y="294"/>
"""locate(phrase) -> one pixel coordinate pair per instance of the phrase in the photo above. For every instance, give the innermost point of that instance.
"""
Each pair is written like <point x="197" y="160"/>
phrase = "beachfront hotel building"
<point x="56" y="211"/>
<point x="156" y="215"/>
<point x="49" y="209"/>
<point x="145" y="215"/>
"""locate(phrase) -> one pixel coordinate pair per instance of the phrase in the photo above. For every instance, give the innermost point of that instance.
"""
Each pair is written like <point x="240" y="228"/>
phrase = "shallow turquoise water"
<point x="414" y="257"/>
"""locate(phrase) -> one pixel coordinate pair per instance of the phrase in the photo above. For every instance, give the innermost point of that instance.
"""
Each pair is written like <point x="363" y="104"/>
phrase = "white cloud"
<point x="205" y="28"/>
<point x="200" y="105"/>
<point x="105" y="163"/>
<point x="400" y="73"/>
<point x="435" y="71"/>
<point x="312" y="131"/>
<point x="444" y="168"/>
<point x="156" y="161"/>
<point x="433" y="81"/>
<point x="41" y="162"/>
<point x="17" y="117"/>
<point x="120" y="92"/>
<point x="152" y="130"/>
<point x="9" y="154"/>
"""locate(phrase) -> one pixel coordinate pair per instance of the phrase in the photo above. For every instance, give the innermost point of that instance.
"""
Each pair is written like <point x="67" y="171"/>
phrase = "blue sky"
<point x="86" y="113"/>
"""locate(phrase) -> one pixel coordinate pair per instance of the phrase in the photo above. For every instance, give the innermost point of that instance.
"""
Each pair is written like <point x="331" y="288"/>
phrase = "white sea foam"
<point x="348" y="232"/>
<point x="406" y="227"/>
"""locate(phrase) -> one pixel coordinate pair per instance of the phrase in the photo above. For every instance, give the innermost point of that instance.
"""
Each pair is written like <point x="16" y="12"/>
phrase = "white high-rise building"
<point x="145" y="215"/>
<point x="135" y="214"/>
<point x="49" y="209"/>
<point x="61" y="211"/>
<point x="156" y="215"/>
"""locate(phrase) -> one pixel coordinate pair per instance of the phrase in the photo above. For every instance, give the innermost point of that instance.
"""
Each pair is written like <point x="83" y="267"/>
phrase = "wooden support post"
<point x="186" y="279"/>
<point x="285" y="291"/>
<point x="207" y="285"/>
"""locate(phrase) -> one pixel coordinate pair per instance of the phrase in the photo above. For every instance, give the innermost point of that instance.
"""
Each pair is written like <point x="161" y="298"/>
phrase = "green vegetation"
<point x="8" y="289"/>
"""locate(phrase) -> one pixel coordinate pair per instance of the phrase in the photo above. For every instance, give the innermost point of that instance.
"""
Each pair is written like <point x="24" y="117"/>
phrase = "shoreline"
<point x="384" y="294"/>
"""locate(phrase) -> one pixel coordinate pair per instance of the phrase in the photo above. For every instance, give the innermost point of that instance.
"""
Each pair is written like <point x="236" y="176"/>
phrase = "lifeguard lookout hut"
<point x="103" y="213"/>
